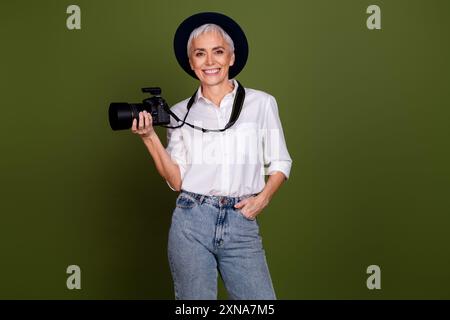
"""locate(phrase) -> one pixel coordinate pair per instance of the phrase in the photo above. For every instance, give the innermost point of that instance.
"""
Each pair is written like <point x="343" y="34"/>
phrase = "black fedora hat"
<point x="227" y="24"/>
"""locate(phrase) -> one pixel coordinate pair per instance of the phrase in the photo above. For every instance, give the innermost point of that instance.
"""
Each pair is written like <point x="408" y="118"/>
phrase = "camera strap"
<point x="237" y="107"/>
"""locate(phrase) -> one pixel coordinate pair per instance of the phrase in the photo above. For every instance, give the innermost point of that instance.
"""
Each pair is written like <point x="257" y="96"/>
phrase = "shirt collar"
<point x="232" y="93"/>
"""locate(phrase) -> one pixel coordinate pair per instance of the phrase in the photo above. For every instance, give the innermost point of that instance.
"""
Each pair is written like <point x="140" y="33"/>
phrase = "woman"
<point x="220" y="175"/>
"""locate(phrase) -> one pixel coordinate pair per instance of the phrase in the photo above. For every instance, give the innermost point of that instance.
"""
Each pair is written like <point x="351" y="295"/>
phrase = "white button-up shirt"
<point x="233" y="162"/>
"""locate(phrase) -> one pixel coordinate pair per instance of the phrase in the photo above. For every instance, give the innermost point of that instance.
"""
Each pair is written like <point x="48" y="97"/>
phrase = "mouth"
<point x="211" y="72"/>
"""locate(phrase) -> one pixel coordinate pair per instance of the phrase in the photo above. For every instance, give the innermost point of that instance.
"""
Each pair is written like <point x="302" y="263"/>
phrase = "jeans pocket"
<point x="185" y="201"/>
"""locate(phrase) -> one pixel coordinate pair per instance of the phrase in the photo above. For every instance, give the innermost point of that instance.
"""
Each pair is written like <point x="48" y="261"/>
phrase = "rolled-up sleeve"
<point x="176" y="149"/>
<point x="276" y="155"/>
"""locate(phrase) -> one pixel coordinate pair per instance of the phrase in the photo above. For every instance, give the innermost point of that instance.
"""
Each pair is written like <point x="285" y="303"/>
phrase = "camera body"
<point x="121" y="114"/>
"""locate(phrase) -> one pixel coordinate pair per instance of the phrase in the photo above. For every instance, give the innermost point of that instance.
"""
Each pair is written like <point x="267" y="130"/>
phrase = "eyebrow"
<point x="203" y="49"/>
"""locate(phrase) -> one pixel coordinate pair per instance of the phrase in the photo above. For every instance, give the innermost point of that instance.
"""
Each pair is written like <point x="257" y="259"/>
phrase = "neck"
<point x="215" y="93"/>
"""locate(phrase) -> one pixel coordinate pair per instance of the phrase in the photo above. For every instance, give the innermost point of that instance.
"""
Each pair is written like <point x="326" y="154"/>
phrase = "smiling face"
<point x="211" y="58"/>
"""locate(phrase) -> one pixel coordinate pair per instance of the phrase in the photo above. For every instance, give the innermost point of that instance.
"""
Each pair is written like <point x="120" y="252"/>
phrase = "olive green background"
<point x="366" y="119"/>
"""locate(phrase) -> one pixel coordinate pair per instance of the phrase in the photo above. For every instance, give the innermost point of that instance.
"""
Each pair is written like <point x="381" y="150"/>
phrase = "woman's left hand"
<point x="251" y="207"/>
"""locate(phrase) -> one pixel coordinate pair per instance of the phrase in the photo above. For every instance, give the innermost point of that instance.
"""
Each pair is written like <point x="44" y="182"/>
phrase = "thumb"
<point x="240" y="204"/>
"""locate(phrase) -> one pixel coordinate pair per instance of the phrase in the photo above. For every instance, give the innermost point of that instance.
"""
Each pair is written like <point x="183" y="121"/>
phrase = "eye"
<point x="219" y="51"/>
<point x="199" y="54"/>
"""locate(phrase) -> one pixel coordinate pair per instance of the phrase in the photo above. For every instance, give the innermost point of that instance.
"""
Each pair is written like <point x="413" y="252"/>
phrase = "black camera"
<point x="121" y="114"/>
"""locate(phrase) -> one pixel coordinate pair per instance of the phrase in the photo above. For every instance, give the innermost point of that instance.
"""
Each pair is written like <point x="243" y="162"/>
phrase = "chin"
<point x="212" y="82"/>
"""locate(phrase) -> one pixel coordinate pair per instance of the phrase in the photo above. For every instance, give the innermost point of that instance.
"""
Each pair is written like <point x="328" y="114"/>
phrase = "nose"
<point x="209" y="59"/>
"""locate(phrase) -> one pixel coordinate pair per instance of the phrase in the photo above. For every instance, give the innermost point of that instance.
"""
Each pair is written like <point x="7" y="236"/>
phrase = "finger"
<point x="248" y="214"/>
<point x="146" y="119"/>
<point x="141" y="121"/>
<point x="150" y="117"/>
<point x="247" y="211"/>
<point x="240" y="204"/>
<point x="133" y="125"/>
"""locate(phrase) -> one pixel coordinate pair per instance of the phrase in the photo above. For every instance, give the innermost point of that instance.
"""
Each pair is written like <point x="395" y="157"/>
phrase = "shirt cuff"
<point x="282" y="166"/>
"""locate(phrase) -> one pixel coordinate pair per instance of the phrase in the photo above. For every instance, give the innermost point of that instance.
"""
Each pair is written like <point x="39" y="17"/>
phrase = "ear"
<point x="232" y="59"/>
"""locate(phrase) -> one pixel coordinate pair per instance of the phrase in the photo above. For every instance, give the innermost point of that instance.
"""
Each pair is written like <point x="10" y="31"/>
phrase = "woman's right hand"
<point x="144" y="128"/>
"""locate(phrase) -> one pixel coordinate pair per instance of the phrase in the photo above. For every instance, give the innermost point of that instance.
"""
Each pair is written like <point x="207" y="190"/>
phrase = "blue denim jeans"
<point x="209" y="236"/>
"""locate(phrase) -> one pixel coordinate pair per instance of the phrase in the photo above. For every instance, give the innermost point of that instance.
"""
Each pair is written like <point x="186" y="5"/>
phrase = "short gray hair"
<point x="209" y="27"/>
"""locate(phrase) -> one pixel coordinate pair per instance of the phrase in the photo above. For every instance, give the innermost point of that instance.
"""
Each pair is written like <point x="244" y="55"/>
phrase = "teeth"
<point x="211" y="71"/>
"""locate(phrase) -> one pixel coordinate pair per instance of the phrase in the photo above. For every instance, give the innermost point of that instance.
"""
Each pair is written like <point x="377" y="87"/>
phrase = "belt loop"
<point x="201" y="198"/>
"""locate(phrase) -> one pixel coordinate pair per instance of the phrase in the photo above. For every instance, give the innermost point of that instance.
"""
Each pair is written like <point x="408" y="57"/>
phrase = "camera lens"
<point x="121" y="115"/>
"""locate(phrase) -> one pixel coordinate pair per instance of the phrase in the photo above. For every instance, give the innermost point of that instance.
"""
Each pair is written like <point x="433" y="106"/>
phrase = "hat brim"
<point x="227" y="24"/>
